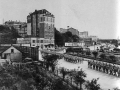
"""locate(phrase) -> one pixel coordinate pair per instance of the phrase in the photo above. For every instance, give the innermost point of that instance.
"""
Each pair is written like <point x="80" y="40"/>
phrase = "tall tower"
<point x="41" y="24"/>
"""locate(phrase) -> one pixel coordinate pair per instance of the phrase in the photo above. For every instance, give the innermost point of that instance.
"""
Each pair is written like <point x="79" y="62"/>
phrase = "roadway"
<point x="106" y="81"/>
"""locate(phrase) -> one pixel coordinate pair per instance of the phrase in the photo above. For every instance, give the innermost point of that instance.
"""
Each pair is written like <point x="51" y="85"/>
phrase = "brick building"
<point x="83" y="34"/>
<point x="23" y="30"/>
<point x="15" y="24"/>
<point x="72" y="30"/>
<point x="40" y="24"/>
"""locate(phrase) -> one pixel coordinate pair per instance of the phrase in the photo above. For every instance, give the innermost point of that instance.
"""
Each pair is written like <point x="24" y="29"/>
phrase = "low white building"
<point x="10" y="53"/>
<point x="34" y="42"/>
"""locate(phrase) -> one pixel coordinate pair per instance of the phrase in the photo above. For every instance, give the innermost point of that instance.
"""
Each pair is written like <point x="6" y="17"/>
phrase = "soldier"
<point x="107" y="68"/>
<point x="96" y="64"/>
<point x="118" y="71"/>
<point x="93" y="64"/>
<point x="100" y="66"/>
<point x="115" y="70"/>
<point x="88" y="64"/>
<point x="111" y="69"/>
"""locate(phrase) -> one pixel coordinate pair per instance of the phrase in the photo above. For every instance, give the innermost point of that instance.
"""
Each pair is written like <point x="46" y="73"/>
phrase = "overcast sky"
<point x="98" y="17"/>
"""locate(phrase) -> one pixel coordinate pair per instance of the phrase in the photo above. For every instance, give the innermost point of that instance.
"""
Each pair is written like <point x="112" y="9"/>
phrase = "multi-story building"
<point x="15" y="24"/>
<point x="63" y="30"/>
<point x="23" y="30"/>
<point x="40" y="24"/>
<point x="72" y="30"/>
<point x="94" y="38"/>
<point x="88" y="41"/>
<point x="83" y="34"/>
<point x="36" y="41"/>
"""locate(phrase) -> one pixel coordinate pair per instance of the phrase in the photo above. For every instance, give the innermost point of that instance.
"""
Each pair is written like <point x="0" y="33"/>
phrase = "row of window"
<point x="48" y="26"/>
<point x="37" y="41"/>
<point x="49" y="19"/>
<point x="42" y="41"/>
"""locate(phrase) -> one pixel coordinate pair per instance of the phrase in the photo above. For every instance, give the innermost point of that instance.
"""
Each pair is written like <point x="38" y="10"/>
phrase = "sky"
<point x="98" y="17"/>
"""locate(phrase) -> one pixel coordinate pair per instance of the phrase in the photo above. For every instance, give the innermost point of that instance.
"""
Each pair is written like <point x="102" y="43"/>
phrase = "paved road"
<point x="106" y="81"/>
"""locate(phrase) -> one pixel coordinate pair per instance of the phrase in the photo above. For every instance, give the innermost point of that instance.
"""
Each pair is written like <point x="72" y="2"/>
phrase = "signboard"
<point x="74" y="44"/>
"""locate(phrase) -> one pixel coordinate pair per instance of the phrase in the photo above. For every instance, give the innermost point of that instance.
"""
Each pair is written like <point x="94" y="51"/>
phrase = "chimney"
<point x="67" y="28"/>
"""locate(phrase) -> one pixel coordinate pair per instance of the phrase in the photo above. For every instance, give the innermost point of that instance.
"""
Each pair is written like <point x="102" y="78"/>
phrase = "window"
<point x="53" y="19"/>
<point x="49" y="27"/>
<point x="37" y="41"/>
<point x="33" y="41"/>
<point x="41" y="19"/>
<point x="41" y="41"/>
<point x="12" y="50"/>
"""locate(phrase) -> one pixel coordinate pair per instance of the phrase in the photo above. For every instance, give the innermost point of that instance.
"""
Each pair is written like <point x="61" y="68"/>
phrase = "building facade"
<point x="94" y="38"/>
<point x="11" y="53"/>
<point x="83" y="34"/>
<point x="88" y="41"/>
<point x="72" y="30"/>
<point x="62" y="30"/>
<point x="36" y="41"/>
<point x="40" y="24"/>
<point x="23" y="30"/>
<point x="15" y="24"/>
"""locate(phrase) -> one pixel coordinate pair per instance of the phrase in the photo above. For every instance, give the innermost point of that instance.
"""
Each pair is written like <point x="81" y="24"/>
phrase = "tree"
<point x="92" y="85"/>
<point x="69" y="50"/>
<point x="59" y="39"/>
<point x="112" y="58"/>
<point x="75" y="38"/>
<point x="116" y="88"/>
<point x="80" y="78"/>
<point x="69" y="34"/>
<point x="102" y="56"/>
<point x="50" y="61"/>
<point x="95" y="54"/>
<point x="88" y="53"/>
<point x="71" y="74"/>
<point x="59" y="85"/>
<point x="15" y="34"/>
<point x="63" y="72"/>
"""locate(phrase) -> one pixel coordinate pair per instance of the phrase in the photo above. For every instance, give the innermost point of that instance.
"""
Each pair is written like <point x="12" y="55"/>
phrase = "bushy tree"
<point x="63" y="72"/>
<point x="95" y="53"/>
<point x="92" y="85"/>
<point x="102" y="56"/>
<point x="59" y="39"/>
<point x="75" y="38"/>
<point x="51" y="61"/>
<point x="80" y="78"/>
<point x="112" y="58"/>
<point x="59" y="85"/>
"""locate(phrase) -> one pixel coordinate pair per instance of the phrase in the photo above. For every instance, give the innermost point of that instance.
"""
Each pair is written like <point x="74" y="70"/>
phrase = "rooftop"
<point x="43" y="11"/>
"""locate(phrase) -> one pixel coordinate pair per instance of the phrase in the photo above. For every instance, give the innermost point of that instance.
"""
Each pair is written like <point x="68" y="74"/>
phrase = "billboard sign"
<point x="74" y="44"/>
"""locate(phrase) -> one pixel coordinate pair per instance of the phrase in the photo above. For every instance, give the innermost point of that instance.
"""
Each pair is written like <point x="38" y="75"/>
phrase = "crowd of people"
<point x="108" y="68"/>
<point x="74" y="59"/>
<point x="105" y="67"/>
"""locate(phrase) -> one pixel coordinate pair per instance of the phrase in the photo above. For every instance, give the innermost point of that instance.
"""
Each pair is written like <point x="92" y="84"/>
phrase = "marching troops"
<point x="105" y="67"/>
<point x="73" y="59"/>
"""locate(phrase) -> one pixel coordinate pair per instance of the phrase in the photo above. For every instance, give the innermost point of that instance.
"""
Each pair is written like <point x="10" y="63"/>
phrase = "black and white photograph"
<point x="59" y="44"/>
